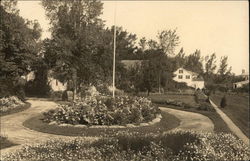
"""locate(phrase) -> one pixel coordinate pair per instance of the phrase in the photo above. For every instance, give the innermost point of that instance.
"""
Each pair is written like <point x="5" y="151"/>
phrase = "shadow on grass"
<point x="167" y="122"/>
<point x="15" y="110"/>
<point x="5" y="143"/>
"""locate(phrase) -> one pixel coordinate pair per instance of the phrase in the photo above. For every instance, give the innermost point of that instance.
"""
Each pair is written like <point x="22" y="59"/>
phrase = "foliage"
<point x="173" y="146"/>
<point x="168" y="40"/>
<point x="194" y="62"/>
<point x="104" y="111"/>
<point x="9" y="103"/>
<point x="19" y="45"/>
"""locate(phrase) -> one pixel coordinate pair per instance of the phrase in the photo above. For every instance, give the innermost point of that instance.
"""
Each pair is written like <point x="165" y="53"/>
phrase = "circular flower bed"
<point x="104" y="111"/>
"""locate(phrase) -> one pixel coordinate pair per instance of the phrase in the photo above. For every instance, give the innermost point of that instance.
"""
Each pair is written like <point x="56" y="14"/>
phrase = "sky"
<point x="219" y="27"/>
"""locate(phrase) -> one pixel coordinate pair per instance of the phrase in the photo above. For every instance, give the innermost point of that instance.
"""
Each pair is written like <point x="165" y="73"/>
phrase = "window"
<point x="180" y="71"/>
<point x="180" y="76"/>
<point x="187" y="76"/>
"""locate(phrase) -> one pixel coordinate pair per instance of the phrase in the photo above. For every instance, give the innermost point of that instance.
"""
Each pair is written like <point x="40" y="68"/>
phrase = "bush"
<point x="104" y="111"/>
<point x="9" y="103"/>
<point x="205" y="106"/>
<point x="172" y="146"/>
<point x="223" y="102"/>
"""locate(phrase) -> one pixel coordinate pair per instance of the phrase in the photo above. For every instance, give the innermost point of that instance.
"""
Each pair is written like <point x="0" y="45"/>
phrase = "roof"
<point x="242" y="82"/>
<point x="132" y="63"/>
<point x="192" y="73"/>
<point x="198" y="79"/>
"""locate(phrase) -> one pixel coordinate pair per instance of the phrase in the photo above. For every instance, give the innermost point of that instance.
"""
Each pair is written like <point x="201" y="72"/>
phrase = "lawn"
<point x="237" y="109"/>
<point x="219" y="124"/>
<point x="189" y="99"/>
<point x="167" y="122"/>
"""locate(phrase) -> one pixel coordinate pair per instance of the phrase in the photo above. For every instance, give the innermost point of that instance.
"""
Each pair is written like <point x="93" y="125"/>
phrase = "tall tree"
<point x="224" y="72"/>
<point x="180" y="58"/>
<point x="143" y="44"/>
<point x="168" y="40"/>
<point x="18" y="44"/>
<point x="210" y="64"/>
<point x="194" y="62"/>
<point x="19" y="48"/>
<point x="152" y="44"/>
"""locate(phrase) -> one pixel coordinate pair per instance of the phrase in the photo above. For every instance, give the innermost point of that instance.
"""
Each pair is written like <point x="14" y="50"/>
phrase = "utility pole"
<point x="114" y="52"/>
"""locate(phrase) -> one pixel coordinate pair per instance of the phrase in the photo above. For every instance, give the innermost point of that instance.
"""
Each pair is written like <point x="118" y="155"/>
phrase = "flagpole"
<point x="114" y="50"/>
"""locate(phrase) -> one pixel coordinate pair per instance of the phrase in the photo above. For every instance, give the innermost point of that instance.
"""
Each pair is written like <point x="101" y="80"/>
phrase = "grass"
<point x="219" y="124"/>
<point x="17" y="109"/>
<point x="167" y="122"/>
<point x="237" y="109"/>
<point x="189" y="99"/>
<point x="5" y="143"/>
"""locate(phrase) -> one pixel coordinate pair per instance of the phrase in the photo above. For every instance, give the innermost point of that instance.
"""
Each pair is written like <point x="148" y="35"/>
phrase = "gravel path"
<point x="234" y="128"/>
<point x="191" y="120"/>
<point x="11" y="125"/>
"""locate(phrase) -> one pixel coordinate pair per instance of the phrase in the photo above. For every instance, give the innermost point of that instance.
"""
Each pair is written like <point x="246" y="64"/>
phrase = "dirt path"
<point x="191" y="120"/>
<point x="11" y="126"/>
<point x="234" y="128"/>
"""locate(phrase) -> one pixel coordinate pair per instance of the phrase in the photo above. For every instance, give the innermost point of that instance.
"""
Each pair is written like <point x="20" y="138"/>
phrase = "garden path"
<point x="191" y="121"/>
<point x="234" y="128"/>
<point x="12" y="126"/>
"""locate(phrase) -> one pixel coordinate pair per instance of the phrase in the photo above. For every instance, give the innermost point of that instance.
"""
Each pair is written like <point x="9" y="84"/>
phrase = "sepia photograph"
<point x="123" y="80"/>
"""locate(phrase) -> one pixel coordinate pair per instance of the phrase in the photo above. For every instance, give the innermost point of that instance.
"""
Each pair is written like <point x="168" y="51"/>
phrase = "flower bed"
<point x="174" y="145"/>
<point x="10" y="103"/>
<point x="104" y="111"/>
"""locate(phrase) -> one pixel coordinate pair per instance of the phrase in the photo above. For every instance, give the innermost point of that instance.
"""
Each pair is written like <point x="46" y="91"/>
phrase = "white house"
<point x="240" y="84"/>
<point x="192" y="79"/>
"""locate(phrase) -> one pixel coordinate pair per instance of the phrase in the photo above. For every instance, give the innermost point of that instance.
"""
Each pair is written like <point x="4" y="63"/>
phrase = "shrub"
<point x="9" y="103"/>
<point x="205" y="106"/>
<point x="173" y="145"/>
<point x="223" y="102"/>
<point x="104" y="111"/>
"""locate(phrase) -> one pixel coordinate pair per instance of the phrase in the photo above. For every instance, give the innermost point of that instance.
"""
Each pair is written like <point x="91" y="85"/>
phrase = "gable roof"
<point x="192" y="73"/>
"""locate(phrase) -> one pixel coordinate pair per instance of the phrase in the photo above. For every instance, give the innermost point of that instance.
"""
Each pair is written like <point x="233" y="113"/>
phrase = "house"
<point x="240" y="84"/>
<point x="192" y="79"/>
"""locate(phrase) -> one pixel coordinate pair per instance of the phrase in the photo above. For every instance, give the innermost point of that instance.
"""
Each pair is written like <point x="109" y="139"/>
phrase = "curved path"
<point x="232" y="126"/>
<point x="12" y="125"/>
<point x="191" y="120"/>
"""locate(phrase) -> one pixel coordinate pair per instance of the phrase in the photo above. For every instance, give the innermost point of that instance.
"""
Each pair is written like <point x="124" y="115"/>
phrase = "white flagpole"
<point x="114" y="50"/>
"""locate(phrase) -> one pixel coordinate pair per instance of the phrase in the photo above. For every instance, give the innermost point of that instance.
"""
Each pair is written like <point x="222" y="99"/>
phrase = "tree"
<point x="194" y="62"/>
<point x="224" y="72"/>
<point x="180" y="58"/>
<point x="223" y="68"/>
<point x="168" y="40"/>
<point x="210" y="64"/>
<point x="152" y="44"/>
<point x="143" y="44"/>
<point x="19" y="45"/>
